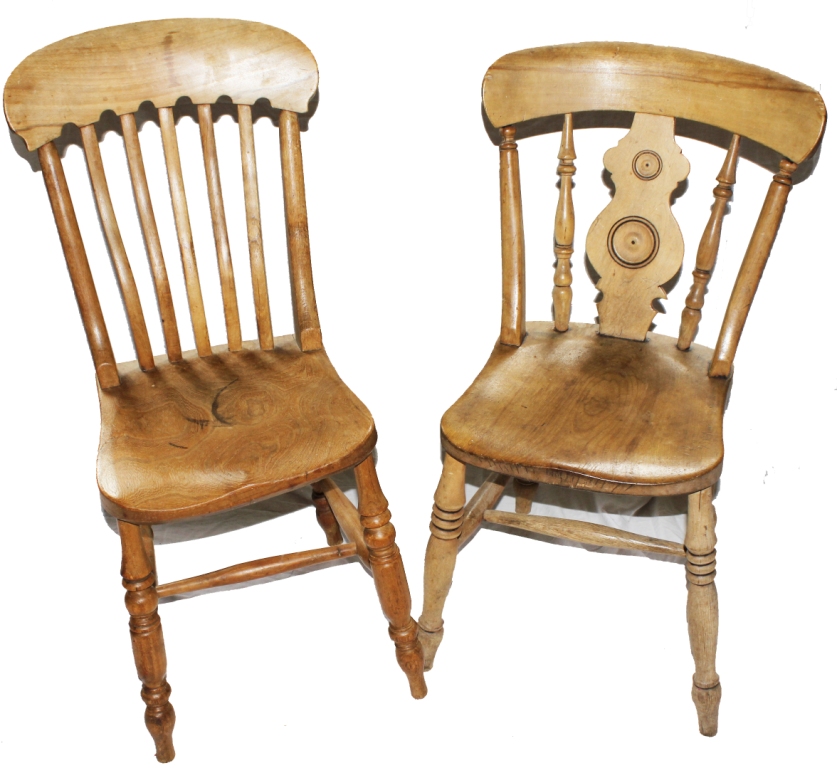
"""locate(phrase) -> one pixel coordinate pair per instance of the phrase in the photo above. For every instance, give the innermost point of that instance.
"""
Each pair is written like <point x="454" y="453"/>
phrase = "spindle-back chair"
<point x="190" y="433"/>
<point x="611" y="407"/>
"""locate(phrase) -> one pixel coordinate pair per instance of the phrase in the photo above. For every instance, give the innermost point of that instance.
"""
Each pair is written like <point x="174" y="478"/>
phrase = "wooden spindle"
<point x="306" y="319"/>
<point x="751" y="269"/>
<point x="219" y="227"/>
<point x="148" y="224"/>
<point x="708" y="248"/>
<point x="184" y="232"/>
<point x="562" y="294"/>
<point x="116" y="248"/>
<point x="702" y="608"/>
<point x="326" y="519"/>
<point x="513" y="323"/>
<point x="440" y="560"/>
<point x="254" y="226"/>
<point x="78" y="267"/>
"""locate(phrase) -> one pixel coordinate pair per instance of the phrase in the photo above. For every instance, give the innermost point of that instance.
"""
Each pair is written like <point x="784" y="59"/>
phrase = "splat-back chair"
<point x="189" y="433"/>
<point x="611" y="407"/>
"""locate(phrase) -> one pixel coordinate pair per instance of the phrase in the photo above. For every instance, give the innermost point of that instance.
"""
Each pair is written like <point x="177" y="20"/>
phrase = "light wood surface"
<point x="593" y="412"/>
<point x="226" y="429"/>
<point x="513" y="320"/>
<point x="708" y="247"/>
<point x="562" y="294"/>
<point x="78" y="78"/>
<point x="656" y="80"/>
<point x="635" y="244"/>
<point x="151" y="237"/>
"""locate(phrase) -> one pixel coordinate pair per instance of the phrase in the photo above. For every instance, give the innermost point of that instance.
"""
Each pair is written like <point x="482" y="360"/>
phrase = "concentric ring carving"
<point x="647" y="165"/>
<point x="633" y="242"/>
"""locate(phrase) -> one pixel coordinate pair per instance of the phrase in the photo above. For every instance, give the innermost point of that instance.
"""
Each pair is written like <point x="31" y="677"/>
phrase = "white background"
<point x="551" y="653"/>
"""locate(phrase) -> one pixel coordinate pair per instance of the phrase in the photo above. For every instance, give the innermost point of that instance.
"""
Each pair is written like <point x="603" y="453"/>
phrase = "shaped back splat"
<point x="635" y="244"/>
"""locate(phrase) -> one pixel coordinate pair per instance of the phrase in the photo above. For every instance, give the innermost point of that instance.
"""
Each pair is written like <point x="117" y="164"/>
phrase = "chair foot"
<point x="159" y="719"/>
<point x="408" y="652"/>
<point x="707" y="701"/>
<point x="430" y="641"/>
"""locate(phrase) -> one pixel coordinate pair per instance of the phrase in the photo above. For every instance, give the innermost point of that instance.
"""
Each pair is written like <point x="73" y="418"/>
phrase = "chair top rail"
<point x="767" y="107"/>
<point x="118" y="68"/>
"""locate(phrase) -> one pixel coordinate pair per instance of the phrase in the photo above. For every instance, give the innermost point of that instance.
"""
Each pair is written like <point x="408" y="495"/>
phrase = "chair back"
<point x="119" y="68"/>
<point x="635" y="245"/>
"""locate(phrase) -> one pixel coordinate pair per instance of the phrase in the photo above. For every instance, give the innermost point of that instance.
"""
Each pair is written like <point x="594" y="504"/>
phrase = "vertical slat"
<point x="562" y="294"/>
<point x="752" y="268"/>
<point x="118" y="256"/>
<point x="708" y="248"/>
<point x="219" y="227"/>
<point x="184" y="232"/>
<point x="306" y="320"/>
<point x="513" y="323"/>
<point x="254" y="226"/>
<point x="148" y="223"/>
<point x="78" y="267"/>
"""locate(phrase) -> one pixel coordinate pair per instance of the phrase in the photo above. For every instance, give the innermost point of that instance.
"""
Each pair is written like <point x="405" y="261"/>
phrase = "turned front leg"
<point x="388" y="573"/>
<point x="445" y="531"/>
<point x="702" y="608"/>
<point x="139" y="579"/>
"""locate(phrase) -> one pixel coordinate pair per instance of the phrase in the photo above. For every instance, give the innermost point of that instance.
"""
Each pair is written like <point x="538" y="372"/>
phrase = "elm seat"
<point x="593" y="412"/>
<point x="208" y="433"/>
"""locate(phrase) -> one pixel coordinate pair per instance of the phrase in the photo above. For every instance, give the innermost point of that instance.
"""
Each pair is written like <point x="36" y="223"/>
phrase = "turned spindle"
<point x="702" y="608"/>
<point x="562" y="293"/>
<point x="445" y="530"/>
<point x="389" y="576"/>
<point x="139" y="580"/>
<point x="326" y="519"/>
<point x="708" y="248"/>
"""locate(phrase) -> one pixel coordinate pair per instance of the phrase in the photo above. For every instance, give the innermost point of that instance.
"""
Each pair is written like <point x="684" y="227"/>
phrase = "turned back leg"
<point x="326" y="519"/>
<point x="139" y="579"/>
<point x="445" y="531"/>
<point x="388" y="573"/>
<point x="702" y="608"/>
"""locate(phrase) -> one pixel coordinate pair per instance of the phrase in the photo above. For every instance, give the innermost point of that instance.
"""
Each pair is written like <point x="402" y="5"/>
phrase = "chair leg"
<point x="388" y="573"/>
<point x="139" y="578"/>
<point x="445" y="531"/>
<point x="326" y="519"/>
<point x="702" y="608"/>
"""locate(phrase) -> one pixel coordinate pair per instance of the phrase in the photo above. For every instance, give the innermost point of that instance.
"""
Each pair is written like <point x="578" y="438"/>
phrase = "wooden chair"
<point x="612" y="407"/>
<point x="190" y="433"/>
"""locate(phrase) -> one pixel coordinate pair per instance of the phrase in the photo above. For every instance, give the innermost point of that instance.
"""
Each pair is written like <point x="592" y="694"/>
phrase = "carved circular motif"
<point x="647" y="165"/>
<point x="633" y="242"/>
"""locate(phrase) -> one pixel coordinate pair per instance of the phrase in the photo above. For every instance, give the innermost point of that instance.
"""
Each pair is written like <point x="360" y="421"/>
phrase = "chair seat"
<point x="594" y="412"/>
<point x="210" y="433"/>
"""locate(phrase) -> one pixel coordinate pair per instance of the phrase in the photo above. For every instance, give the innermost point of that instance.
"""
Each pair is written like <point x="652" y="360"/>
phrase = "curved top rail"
<point x="118" y="68"/>
<point x="769" y="108"/>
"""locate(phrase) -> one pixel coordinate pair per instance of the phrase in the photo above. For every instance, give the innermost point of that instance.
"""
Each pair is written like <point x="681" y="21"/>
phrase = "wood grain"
<point x="214" y="432"/>
<point x="513" y="320"/>
<point x="306" y="319"/>
<point x="184" y="232"/>
<point x="635" y="244"/>
<point x="633" y="418"/>
<point x="633" y="77"/>
<point x="252" y="210"/>
<point x="151" y="237"/>
<point x="219" y="227"/>
<point x="79" y="268"/>
<point x="118" y="68"/>
<point x="116" y="249"/>
<point x="564" y="235"/>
